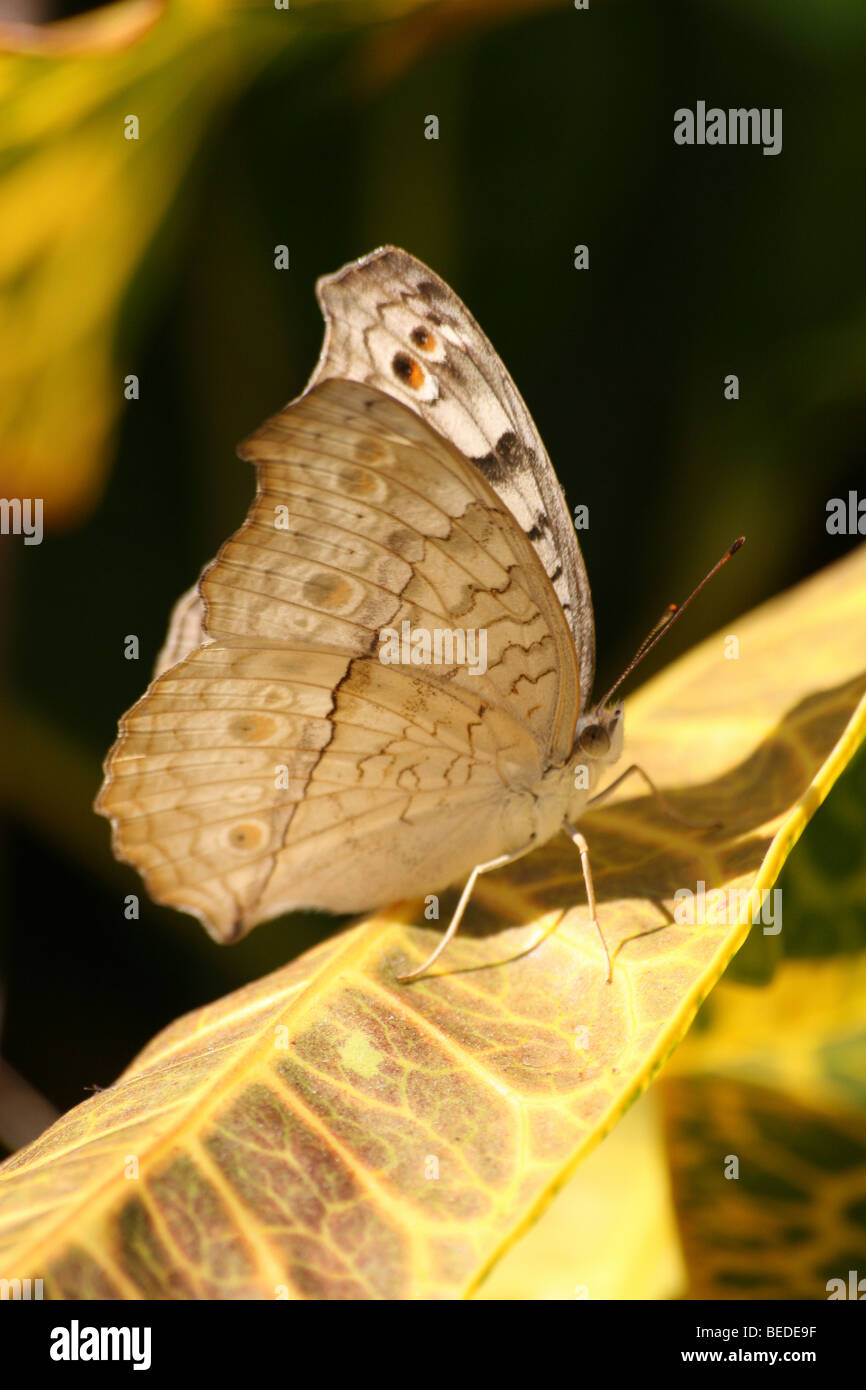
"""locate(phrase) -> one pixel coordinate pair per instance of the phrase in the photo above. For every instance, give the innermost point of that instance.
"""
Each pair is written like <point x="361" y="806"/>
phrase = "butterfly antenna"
<point x="668" y="619"/>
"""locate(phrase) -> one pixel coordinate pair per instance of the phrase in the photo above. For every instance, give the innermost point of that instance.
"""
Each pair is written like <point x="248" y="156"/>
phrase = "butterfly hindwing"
<point x="282" y="763"/>
<point x="251" y="780"/>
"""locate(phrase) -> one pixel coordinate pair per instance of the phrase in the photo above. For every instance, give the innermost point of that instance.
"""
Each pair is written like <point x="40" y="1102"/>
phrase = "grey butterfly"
<point x="316" y="735"/>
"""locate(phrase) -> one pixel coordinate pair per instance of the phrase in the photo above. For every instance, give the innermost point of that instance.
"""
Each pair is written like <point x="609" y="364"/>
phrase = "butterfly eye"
<point x="594" y="740"/>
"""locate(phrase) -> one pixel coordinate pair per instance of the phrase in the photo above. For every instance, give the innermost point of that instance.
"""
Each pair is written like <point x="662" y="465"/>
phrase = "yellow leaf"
<point x="611" y="1233"/>
<point x="766" y="1124"/>
<point x="328" y="1133"/>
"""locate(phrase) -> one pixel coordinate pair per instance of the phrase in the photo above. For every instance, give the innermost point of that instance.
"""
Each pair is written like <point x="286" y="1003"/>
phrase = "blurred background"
<point x="155" y="257"/>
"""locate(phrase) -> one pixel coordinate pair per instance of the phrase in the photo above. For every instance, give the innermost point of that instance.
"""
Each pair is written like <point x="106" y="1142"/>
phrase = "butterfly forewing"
<point x="395" y="324"/>
<point x="185" y="630"/>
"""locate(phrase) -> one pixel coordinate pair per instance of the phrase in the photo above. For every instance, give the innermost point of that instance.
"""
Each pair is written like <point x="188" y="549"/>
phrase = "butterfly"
<point x="316" y="735"/>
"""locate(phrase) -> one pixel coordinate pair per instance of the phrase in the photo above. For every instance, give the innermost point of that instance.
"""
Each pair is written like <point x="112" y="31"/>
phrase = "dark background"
<point x="555" y="129"/>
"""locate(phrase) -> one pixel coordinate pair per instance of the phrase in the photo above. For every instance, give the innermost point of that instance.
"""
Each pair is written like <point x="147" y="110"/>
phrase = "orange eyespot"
<point x="423" y="338"/>
<point x="408" y="370"/>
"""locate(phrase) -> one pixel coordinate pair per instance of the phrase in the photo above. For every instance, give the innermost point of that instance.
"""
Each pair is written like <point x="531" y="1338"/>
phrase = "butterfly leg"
<point x="497" y="863"/>
<point x="583" y="850"/>
<point x="662" y="801"/>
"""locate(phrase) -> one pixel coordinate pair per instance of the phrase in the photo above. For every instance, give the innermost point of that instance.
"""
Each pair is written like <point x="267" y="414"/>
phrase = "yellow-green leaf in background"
<point x="328" y="1133"/>
<point x="765" y="1103"/>
<point x="79" y="205"/>
<point x="83" y="194"/>
<point x="770" y="1192"/>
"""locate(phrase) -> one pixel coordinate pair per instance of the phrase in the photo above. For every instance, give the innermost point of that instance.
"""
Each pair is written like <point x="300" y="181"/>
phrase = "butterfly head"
<point x="599" y="734"/>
